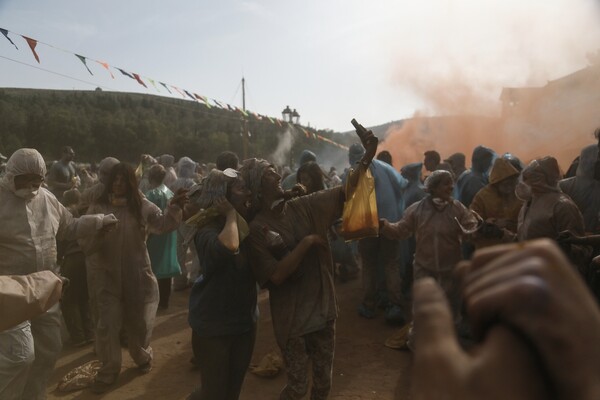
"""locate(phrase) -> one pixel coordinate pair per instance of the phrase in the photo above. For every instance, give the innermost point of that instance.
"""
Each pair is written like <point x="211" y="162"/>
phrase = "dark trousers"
<point x="223" y="363"/>
<point x="385" y="254"/>
<point x="164" y="291"/>
<point x="75" y="302"/>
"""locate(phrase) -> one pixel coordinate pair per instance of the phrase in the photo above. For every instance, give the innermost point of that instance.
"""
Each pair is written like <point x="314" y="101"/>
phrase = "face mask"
<point x="523" y="191"/>
<point x="26" y="194"/>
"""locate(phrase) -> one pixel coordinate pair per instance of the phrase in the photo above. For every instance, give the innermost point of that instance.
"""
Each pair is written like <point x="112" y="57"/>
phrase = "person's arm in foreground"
<point x="500" y="367"/>
<point x="533" y="288"/>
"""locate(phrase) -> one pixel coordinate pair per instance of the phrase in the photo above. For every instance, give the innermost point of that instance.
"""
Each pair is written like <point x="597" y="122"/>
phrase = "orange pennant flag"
<point x="105" y="65"/>
<point x="32" y="43"/>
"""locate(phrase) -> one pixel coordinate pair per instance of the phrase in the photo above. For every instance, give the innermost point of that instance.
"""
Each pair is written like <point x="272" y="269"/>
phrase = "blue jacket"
<point x="389" y="185"/>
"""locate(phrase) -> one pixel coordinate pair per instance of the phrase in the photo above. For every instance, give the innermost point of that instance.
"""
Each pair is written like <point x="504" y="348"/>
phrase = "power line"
<point x="57" y="73"/>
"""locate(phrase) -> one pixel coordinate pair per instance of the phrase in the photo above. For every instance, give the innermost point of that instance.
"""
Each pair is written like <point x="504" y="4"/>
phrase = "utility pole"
<point x="245" y="134"/>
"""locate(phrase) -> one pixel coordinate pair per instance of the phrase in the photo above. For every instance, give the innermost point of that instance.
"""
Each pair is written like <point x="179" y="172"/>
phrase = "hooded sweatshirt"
<point x="472" y="181"/>
<point x="584" y="190"/>
<point x="415" y="190"/>
<point x="550" y="211"/>
<point x="494" y="207"/>
<point x="291" y="180"/>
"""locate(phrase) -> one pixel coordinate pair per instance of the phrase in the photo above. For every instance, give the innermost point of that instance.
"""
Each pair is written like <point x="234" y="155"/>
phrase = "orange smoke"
<point x="557" y="119"/>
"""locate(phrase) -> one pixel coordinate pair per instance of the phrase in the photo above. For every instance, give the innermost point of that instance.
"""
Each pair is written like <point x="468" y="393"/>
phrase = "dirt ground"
<point x="363" y="367"/>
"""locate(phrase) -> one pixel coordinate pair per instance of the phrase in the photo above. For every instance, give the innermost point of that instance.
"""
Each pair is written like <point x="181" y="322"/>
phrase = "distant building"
<point x="566" y="109"/>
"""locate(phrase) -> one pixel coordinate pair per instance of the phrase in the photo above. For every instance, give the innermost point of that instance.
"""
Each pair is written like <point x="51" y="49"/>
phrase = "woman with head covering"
<point x="437" y="222"/>
<point x="223" y="309"/>
<point x="550" y="211"/>
<point x="120" y="277"/>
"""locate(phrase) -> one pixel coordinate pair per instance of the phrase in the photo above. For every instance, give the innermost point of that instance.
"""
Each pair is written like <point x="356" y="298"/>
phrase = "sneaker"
<point x="366" y="312"/>
<point x="394" y="315"/>
<point x="99" y="387"/>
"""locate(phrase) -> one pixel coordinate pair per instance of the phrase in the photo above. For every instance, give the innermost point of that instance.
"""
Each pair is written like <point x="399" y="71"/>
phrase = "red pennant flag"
<point x="139" y="80"/>
<point x="32" y="43"/>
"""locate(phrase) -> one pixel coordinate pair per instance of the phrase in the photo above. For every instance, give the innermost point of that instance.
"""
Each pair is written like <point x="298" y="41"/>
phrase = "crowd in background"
<point x="125" y="236"/>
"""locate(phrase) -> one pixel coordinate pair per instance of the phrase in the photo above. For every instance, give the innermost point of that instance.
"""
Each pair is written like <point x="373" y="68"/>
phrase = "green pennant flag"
<point x="153" y="84"/>
<point x="82" y="59"/>
<point x="205" y="100"/>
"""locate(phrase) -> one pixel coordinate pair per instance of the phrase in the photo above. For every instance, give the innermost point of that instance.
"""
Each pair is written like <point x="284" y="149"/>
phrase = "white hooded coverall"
<point x="28" y="236"/>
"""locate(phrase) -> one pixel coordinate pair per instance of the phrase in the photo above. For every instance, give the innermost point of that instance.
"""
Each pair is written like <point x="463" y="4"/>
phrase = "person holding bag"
<point x="291" y="257"/>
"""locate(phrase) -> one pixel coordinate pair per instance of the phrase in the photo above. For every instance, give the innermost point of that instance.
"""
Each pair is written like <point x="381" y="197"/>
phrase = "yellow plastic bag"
<point x="360" y="218"/>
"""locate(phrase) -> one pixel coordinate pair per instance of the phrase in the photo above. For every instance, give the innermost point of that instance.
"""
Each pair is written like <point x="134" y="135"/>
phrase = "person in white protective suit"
<point x="22" y="297"/>
<point x="32" y="220"/>
<point x="120" y="277"/>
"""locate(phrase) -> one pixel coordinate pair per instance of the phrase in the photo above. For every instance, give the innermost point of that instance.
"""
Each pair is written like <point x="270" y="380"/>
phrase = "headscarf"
<point x="542" y="175"/>
<point x="213" y="187"/>
<point x="22" y="162"/>
<point x="252" y="171"/>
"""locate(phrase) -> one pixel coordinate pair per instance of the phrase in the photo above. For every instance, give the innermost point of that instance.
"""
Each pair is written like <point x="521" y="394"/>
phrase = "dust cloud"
<point x="519" y="77"/>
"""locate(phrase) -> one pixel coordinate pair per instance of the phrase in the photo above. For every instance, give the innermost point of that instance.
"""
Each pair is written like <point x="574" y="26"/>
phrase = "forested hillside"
<point x="124" y="125"/>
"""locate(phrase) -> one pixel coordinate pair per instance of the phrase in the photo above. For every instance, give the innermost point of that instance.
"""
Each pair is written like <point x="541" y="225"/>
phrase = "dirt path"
<point x="363" y="368"/>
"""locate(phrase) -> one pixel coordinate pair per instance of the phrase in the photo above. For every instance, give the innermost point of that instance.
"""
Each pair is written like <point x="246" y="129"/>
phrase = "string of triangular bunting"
<point x="208" y="102"/>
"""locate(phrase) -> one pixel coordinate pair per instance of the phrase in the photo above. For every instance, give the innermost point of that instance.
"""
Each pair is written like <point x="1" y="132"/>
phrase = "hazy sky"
<point x="377" y="60"/>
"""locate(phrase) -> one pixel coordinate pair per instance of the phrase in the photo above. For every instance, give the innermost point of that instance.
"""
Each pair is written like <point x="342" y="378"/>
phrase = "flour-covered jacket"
<point x="31" y="227"/>
<point x="436" y="231"/>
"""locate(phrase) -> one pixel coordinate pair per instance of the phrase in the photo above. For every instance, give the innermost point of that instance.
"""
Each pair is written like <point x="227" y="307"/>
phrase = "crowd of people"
<point x="504" y="257"/>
